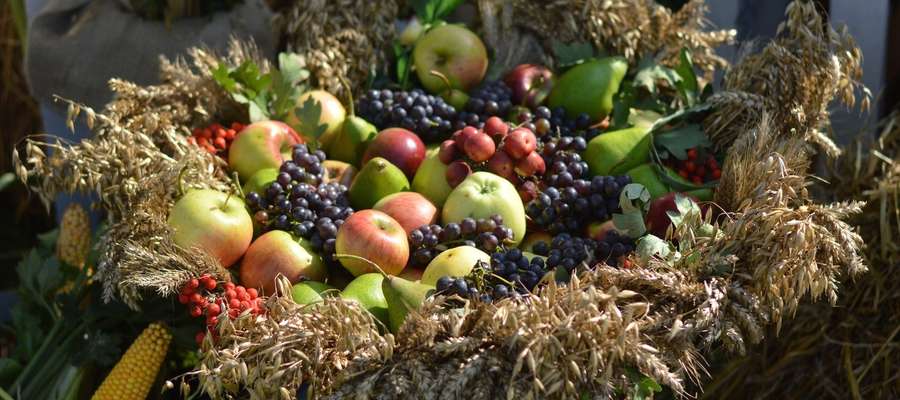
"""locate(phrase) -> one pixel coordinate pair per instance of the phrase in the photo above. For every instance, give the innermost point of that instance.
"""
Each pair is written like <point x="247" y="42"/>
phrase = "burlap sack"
<point x="76" y="46"/>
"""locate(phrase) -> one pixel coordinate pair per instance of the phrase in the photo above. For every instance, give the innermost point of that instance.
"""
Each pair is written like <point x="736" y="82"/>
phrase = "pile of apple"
<point x="396" y="184"/>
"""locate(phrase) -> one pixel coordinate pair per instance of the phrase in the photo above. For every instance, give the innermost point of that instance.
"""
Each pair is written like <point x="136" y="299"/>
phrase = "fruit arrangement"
<point x="438" y="184"/>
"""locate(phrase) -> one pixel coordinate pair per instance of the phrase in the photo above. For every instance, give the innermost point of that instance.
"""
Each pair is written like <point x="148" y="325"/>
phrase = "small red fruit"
<point x="532" y="164"/>
<point x="209" y="283"/>
<point x="692" y="154"/>
<point x="253" y="293"/>
<point x="183" y="298"/>
<point x="457" y="172"/>
<point x="212" y="320"/>
<point x="520" y="142"/>
<point x="464" y="136"/>
<point x="234" y="303"/>
<point x="213" y="309"/>
<point x="503" y="165"/>
<point x="193" y="283"/>
<point x="230" y="294"/>
<point x="245" y="305"/>
<point x="196" y="311"/>
<point x="199" y="337"/>
<point x="448" y="152"/>
<point x="229" y="285"/>
<point x="480" y="147"/>
<point x="689" y="166"/>
<point x="716" y="174"/>
<point x="496" y="128"/>
<point x="697" y="180"/>
<point x="527" y="191"/>
<point x="196" y="298"/>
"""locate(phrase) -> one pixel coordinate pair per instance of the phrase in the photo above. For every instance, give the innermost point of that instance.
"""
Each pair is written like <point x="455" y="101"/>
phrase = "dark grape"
<point x="571" y="208"/>
<point x="427" y="115"/>
<point x="427" y="241"/>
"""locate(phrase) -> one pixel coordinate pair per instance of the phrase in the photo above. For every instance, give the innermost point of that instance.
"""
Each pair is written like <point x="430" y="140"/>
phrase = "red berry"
<point x="229" y="285"/>
<point x="697" y="180"/>
<point x="496" y="128"/>
<point x="234" y="303"/>
<point x="683" y="173"/>
<point x="212" y="320"/>
<point x="457" y="172"/>
<point x="229" y="134"/>
<point x="233" y="313"/>
<point x="692" y="154"/>
<point x="219" y="142"/>
<point x="199" y="337"/>
<point x="245" y="305"/>
<point x="192" y="140"/>
<point x="244" y="296"/>
<point x="193" y="283"/>
<point x="196" y="311"/>
<point x="716" y="174"/>
<point x="480" y="147"/>
<point x="206" y="133"/>
<point x="231" y="294"/>
<point x="520" y="143"/>
<point x="209" y="148"/>
<point x="209" y="283"/>
<point x="183" y="298"/>
<point x="236" y="126"/>
<point x="253" y="293"/>
<point x="447" y="152"/>
<point x="203" y="303"/>
<point x="196" y="298"/>
<point x="464" y="136"/>
<point x="689" y="166"/>
<point x="220" y="132"/>
<point x="213" y="309"/>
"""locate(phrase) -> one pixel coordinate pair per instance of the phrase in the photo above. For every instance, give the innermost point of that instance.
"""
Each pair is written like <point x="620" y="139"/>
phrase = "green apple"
<point x="332" y="116"/>
<point x="215" y="222"/>
<point x="589" y="88"/>
<point x="366" y="290"/>
<point x="483" y="194"/>
<point x="377" y="179"/>
<point x="430" y="179"/>
<point x="278" y="252"/>
<point x="258" y="182"/>
<point x="453" y="51"/>
<point x="457" y="262"/>
<point x="260" y="145"/>
<point x="402" y="296"/>
<point x="308" y="292"/>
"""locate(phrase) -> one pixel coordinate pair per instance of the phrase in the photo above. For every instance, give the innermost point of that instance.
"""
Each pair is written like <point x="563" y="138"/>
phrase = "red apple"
<point x="520" y="142"/>
<point x="530" y="84"/>
<point x="399" y="146"/>
<point x="480" y="147"/>
<point x="457" y="172"/>
<point x="657" y="220"/>
<point x="212" y="221"/>
<point x="277" y="252"/>
<point x="374" y="236"/>
<point x="502" y="164"/>
<point x="410" y="209"/>
<point x="264" y="144"/>
<point x="454" y="51"/>
<point x="598" y="230"/>
<point x="532" y="164"/>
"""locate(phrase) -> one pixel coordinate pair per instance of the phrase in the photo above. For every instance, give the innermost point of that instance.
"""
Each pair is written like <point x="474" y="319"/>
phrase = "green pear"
<point x="618" y="151"/>
<point x="589" y="87"/>
<point x="456" y="262"/>
<point x="646" y="175"/>
<point x="482" y="195"/>
<point x="366" y="290"/>
<point x="351" y="139"/>
<point x="376" y="179"/>
<point x="402" y="295"/>
<point x="258" y="182"/>
<point x="308" y="292"/>
<point x="430" y="180"/>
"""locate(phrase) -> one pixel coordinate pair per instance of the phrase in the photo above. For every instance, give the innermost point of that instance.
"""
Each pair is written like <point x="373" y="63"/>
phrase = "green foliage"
<point x="568" y="55"/>
<point x="308" y="115"/>
<point x="651" y="246"/>
<point x="270" y="95"/>
<point x="677" y="141"/>
<point x="634" y="200"/>
<point x="431" y="11"/>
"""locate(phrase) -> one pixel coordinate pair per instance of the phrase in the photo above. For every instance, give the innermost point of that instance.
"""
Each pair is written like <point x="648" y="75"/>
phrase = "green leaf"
<point x="678" y="141"/>
<point x="688" y="85"/>
<point x="650" y="72"/>
<point x="622" y="106"/>
<point x="650" y="245"/>
<point x="684" y="208"/>
<point x="291" y="67"/>
<point x="256" y="112"/>
<point x="634" y="193"/>
<point x="223" y="77"/>
<point x="308" y="115"/>
<point x="402" y="55"/>
<point x="630" y="223"/>
<point x="571" y="54"/>
<point x="446" y="7"/>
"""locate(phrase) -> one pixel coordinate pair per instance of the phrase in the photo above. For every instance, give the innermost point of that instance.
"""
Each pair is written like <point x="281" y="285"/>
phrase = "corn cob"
<point x="134" y="374"/>
<point x="74" y="236"/>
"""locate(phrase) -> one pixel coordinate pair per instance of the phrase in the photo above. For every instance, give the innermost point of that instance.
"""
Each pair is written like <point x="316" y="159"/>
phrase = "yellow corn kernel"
<point x="74" y="241"/>
<point x="133" y="375"/>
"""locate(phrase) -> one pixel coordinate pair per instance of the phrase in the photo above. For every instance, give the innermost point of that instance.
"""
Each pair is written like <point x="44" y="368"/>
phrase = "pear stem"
<point x="366" y="260"/>
<point x="349" y="90"/>
<point x="444" y="79"/>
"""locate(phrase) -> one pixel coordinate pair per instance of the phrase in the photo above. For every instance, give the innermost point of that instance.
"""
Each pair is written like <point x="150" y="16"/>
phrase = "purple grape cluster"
<point x="427" y="241"/>
<point x="570" y="209"/>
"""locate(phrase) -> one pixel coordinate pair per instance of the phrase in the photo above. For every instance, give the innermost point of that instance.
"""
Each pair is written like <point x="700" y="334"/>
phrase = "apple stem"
<point x="443" y="78"/>
<point x="366" y="260"/>
<point x="349" y="90"/>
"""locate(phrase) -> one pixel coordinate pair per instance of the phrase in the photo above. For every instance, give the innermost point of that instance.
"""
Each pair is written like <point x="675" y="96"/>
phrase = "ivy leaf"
<point x="630" y="223"/>
<point x="650" y="245"/>
<point x="291" y="67"/>
<point x="634" y="193"/>
<point x="650" y="72"/>
<point x="678" y="141"/>
<point x="571" y="54"/>
<point x="684" y="208"/>
<point x="308" y="115"/>
<point x="688" y="85"/>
